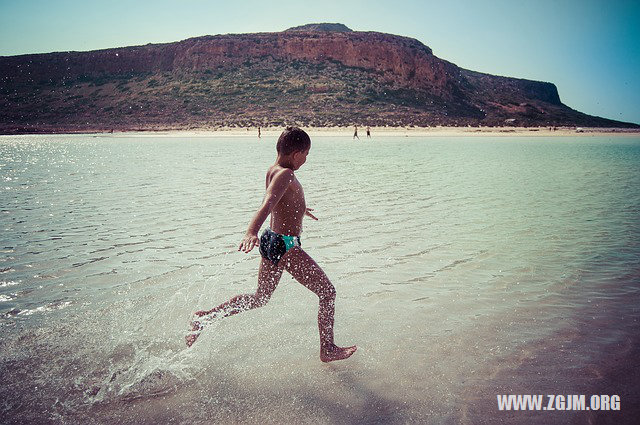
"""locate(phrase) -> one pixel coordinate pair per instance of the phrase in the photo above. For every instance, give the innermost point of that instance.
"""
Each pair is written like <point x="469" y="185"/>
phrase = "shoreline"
<point x="348" y="132"/>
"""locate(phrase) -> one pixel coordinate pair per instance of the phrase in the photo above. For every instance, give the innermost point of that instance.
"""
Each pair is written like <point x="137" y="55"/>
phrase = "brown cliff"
<point x="320" y="75"/>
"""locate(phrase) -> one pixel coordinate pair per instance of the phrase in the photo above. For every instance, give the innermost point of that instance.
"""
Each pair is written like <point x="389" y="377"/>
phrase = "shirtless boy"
<point x="280" y="247"/>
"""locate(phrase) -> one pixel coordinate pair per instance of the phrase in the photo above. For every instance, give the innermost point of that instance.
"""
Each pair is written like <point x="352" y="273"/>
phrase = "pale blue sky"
<point x="590" y="48"/>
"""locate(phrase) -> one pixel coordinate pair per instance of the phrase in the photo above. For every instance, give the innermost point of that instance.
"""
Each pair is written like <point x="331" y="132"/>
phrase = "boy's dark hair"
<point x="293" y="139"/>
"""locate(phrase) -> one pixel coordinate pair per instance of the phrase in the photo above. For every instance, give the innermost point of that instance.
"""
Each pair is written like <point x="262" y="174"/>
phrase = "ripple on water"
<point x="58" y="305"/>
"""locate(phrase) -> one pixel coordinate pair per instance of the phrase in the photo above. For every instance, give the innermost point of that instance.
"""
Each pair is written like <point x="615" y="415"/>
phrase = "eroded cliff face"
<point x="397" y="58"/>
<point x="379" y="78"/>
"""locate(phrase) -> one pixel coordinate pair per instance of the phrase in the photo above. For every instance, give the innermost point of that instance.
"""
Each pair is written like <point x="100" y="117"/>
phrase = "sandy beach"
<point x="379" y="132"/>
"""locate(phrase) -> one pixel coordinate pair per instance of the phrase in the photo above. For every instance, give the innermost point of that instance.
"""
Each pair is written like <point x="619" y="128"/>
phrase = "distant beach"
<point x="376" y="132"/>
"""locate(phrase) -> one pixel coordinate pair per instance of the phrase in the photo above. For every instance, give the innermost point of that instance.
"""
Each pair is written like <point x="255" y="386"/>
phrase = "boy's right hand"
<point x="248" y="242"/>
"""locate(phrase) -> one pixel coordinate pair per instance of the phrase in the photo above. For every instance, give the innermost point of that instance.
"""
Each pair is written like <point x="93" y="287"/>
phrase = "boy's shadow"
<point x="371" y="406"/>
<point x="361" y="405"/>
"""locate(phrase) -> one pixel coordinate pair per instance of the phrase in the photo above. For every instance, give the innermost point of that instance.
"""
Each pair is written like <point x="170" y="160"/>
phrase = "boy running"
<point x="280" y="247"/>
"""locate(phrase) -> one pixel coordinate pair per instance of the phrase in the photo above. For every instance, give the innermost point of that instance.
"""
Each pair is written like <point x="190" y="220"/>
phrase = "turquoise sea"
<point x="465" y="268"/>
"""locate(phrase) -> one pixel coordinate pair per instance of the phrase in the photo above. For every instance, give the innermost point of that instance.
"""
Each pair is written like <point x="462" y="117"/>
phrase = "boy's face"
<point x="300" y="158"/>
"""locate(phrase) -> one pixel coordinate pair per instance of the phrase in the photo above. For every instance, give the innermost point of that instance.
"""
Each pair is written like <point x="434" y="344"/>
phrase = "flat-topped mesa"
<point x="326" y="27"/>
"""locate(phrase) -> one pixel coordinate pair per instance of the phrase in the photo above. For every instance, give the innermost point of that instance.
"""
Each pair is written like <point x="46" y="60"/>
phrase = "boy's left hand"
<point x="248" y="242"/>
<point x="309" y="214"/>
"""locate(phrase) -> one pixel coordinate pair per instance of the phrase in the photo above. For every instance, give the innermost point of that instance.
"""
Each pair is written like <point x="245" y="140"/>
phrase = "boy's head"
<point x="293" y="139"/>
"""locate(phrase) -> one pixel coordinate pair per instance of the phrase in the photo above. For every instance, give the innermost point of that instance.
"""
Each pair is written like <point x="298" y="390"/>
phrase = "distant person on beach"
<point x="368" y="133"/>
<point x="355" y="133"/>
<point x="258" y="132"/>
<point x="280" y="247"/>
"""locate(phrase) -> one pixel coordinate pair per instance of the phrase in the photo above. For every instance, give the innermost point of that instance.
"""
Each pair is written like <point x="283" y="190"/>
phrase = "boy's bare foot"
<point x="196" y="327"/>
<point x="191" y="338"/>
<point x="336" y="353"/>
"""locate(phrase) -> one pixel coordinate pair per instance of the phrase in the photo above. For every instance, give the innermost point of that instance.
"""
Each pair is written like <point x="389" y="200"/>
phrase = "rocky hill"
<point x="314" y="75"/>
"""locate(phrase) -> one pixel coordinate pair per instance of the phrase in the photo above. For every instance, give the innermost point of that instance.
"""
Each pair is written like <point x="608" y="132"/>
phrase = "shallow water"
<point x="465" y="268"/>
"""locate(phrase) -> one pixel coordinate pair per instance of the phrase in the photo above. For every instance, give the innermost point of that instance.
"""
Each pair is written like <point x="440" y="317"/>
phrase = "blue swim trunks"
<point x="274" y="245"/>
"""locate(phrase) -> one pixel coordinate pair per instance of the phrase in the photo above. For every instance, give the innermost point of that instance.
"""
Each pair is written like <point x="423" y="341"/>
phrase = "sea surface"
<point x="465" y="268"/>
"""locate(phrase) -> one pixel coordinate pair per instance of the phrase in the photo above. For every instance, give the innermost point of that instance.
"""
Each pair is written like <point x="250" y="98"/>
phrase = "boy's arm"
<point x="276" y="189"/>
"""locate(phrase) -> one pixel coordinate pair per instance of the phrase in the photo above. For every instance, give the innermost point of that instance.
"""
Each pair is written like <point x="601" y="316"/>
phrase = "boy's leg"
<point x="268" y="277"/>
<point x="306" y="271"/>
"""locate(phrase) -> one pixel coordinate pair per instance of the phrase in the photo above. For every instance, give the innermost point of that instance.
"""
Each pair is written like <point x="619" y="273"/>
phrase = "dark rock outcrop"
<point x="318" y="74"/>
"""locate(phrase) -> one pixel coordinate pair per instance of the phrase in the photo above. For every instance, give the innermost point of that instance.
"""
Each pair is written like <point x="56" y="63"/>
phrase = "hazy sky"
<point x="589" y="48"/>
